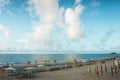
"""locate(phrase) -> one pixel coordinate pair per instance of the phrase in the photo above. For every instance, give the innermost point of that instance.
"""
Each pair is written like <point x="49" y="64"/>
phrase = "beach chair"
<point x="19" y="71"/>
<point x="28" y="74"/>
<point x="32" y="74"/>
<point x="11" y="73"/>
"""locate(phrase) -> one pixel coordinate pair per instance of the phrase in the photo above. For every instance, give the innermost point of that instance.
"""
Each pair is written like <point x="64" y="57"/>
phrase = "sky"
<point x="59" y="26"/>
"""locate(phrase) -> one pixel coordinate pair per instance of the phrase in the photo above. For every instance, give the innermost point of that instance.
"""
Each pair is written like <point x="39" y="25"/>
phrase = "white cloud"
<point x="10" y="13"/>
<point x="94" y="3"/>
<point x="74" y="28"/>
<point x="77" y="1"/>
<point x="103" y="43"/>
<point x="5" y="32"/>
<point x="42" y="32"/>
<point x="0" y="11"/>
<point x="3" y="3"/>
<point x="4" y="37"/>
<point x="94" y="12"/>
<point x="51" y="15"/>
<point x="47" y="10"/>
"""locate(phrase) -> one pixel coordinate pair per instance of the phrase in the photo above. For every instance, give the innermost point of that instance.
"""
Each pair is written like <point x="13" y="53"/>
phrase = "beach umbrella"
<point x="40" y="65"/>
<point x="10" y="69"/>
<point x="30" y="68"/>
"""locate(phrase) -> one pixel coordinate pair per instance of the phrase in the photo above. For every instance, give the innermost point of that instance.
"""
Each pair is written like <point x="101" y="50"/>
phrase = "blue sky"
<point x="59" y="25"/>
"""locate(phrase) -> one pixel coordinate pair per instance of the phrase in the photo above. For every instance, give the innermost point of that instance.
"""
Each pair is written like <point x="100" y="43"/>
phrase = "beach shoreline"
<point x="74" y="72"/>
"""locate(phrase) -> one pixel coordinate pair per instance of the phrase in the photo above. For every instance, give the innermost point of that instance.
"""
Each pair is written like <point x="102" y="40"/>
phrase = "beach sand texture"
<point x="75" y="73"/>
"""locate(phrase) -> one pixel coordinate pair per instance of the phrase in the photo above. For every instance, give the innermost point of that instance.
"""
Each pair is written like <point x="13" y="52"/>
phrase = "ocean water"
<point x="24" y="58"/>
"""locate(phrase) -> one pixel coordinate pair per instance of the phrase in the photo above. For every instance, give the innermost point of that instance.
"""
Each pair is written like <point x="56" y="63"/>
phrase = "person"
<point x="28" y="62"/>
<point x="89" y="69"/>
<point x="115" y="67"/>
<point x="35" y="61"/>
<point x="101" y="69"/>
<point x="55" y="61"/>
<point x="75" y="61"/>
<point x="97" y="71"/>
<point x="7" y="64"/>
<point x="111" y="71"/>
<point x="12" y="65"/>
<point x="105" y="68"/>
<point x="48" y="61"/>
<point x="45" y="61"/>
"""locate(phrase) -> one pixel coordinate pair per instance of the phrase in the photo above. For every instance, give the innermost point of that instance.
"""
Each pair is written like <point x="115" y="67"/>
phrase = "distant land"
<point x="56" y="52"/>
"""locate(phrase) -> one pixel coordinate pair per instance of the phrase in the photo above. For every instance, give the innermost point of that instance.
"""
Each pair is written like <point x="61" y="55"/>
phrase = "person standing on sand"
<point x="101" y="69"/>
<point x="115" y="68"/>
<point x="111" y="70"/>
<point x="118" y="69"/>
<point x="105" y="68"/>
<point x="45" y="61"/>
<point x="28" y="62"/>
<point x="97" y="71"/>
<point x="89" y="69"/>
<point x="55" y="61"/>
<point x="95" y="68"/>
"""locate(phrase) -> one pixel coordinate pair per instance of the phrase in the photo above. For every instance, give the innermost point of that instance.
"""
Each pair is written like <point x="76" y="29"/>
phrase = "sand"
<point x="75" y="73"/>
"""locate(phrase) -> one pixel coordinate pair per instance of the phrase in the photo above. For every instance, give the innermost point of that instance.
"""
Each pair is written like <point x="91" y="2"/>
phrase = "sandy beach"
<point x="74" y="73"/>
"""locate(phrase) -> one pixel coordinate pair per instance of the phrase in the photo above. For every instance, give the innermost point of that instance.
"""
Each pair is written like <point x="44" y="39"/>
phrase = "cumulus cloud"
<point x="73" y="26"/>
<point x="51" y="16"/>
<point x="47" y="10"/>
<point x="3" y="3"/>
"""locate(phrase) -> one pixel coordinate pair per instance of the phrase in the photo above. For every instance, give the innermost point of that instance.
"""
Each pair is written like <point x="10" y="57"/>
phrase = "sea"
<point x="33" y="58"/>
